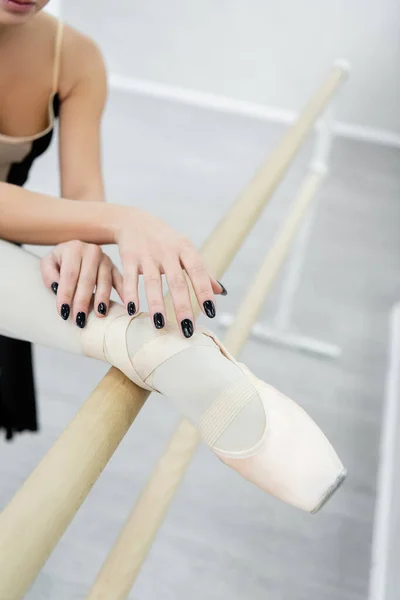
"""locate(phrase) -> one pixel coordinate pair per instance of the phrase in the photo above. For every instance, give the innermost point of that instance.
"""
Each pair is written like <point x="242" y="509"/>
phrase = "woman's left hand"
<point x="75" y="271"/>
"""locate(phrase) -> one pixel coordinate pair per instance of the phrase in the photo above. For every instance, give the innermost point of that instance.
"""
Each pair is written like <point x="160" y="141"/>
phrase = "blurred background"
<point x="200" y="92"/>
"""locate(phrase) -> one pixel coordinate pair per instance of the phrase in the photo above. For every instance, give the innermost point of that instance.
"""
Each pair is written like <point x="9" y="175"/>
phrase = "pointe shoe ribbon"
<point x="156" y="345"/>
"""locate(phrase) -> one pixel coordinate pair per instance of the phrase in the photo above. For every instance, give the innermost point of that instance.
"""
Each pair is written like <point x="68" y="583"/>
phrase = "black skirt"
<point x="17" y="389"/>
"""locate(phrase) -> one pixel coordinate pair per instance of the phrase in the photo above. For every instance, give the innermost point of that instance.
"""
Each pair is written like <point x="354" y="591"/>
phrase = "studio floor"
<point x="224" y="538"/>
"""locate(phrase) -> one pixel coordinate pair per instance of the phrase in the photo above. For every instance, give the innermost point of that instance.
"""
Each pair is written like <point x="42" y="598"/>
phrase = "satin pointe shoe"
<point x="250" y="426"/>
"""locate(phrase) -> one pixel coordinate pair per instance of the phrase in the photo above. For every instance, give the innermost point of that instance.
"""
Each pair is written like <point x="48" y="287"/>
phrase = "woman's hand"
<point x="149" y="247"/>
<point x="74" y="271"/>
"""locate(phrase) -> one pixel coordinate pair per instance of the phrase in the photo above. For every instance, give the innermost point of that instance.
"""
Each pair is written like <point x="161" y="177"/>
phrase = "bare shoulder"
<point x="81" y="63"/>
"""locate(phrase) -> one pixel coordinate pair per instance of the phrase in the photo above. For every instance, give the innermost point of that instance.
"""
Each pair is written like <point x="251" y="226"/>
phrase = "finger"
<point x="117" y="282"/>
<point x="69" y="274"/>
<point x="153" y="288"/>
<point x="50" y="270"/>
<point x="180" y="295"/>
<point x="130" y="295"/>
<point x="200" y="279"/>
<point x="103" y="287"/>
<point x="83" y="297"/>
<point x="218" y="287"/>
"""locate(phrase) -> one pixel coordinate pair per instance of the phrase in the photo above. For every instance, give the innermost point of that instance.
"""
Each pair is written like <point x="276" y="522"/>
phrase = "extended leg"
<point x="249" y="425"/>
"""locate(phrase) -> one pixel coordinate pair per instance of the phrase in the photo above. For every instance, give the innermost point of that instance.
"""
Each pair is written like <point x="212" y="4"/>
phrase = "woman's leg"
<point x="249" y="425"/>
<point x="28" y="312"/>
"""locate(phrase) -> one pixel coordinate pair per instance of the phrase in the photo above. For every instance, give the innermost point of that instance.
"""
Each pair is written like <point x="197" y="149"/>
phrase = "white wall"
<point x="54" y="8"/>
<point x="263" y="51"/>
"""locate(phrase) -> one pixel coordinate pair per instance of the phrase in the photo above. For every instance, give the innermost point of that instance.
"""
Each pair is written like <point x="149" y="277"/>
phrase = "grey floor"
<point x="224" y="538"/>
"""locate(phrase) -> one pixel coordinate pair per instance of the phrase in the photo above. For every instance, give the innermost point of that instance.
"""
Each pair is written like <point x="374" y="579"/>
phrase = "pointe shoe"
<point x="292" y="460"/>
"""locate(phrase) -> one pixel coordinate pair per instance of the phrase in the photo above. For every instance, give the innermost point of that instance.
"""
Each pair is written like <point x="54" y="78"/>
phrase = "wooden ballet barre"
<point x="35" y="519"/>
<point x="122" y="566"/>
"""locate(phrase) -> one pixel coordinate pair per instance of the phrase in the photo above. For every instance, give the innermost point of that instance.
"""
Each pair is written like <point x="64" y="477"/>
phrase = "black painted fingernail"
<point x="131" y="307"/>
<point x="159" y="321"/>
<point x="81" y="319"/>
<point x="102" y="308"/>
<point x="224" y="290"/>
<point x="187" y="328"/>
<point x="209" y="308"/>
<point x="65" y="311"/>
<point x="54" y="287"/>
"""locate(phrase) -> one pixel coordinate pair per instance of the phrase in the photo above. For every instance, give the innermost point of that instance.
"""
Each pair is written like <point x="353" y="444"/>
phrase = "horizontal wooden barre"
<point x="32" y="524"/>
<point x="122" y="566"/>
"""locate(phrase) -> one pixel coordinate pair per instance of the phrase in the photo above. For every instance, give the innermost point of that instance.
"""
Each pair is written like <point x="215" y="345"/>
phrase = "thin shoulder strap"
<point x="57" y="56"/>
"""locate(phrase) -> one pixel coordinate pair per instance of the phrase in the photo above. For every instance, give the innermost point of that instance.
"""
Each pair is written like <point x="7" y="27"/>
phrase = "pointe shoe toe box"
<point x="293" y="461"/>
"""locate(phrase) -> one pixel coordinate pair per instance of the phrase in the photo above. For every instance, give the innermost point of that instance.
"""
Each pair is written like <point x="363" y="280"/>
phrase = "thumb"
<point x="217" y="287"/>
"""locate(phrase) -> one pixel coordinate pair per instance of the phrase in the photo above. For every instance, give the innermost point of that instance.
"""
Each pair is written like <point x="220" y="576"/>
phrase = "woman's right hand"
<point x="80" y="274"/>
<point x="151" y="248"/>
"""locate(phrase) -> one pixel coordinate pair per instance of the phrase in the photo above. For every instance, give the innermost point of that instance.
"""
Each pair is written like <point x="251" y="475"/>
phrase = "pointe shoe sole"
<point x="335" y="486"/>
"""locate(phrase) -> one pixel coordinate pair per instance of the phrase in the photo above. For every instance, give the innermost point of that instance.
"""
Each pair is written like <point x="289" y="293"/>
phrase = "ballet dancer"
<point x="249" y="425"/>
<point x="49" y="70"/>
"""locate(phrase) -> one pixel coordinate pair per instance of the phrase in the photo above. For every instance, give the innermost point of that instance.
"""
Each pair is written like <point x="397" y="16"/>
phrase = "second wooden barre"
<point x="122" y="566"/>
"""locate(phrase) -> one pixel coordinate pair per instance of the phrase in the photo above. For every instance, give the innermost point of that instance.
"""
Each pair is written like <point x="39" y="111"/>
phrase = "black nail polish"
<point x="224" y="290"/>
<point x="209" y="308"/>
<point x="81" y="319"/>
<point x="54" y="287"/>
<point x="131" y="307"/>
<point x="187" y="328"/>
<point x="102" y="308"/>
<point x="65" y="311"/>
<point x="159" y="321"/>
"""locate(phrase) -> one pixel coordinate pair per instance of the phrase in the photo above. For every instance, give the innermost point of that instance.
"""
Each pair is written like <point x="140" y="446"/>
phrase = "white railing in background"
<point x="385" y="582"/>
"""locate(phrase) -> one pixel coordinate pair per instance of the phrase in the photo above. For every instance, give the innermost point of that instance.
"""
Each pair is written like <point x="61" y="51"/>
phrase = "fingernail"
<point x="187" y="328"/>
<point x="102" y="308"/>
<point x="131" y="307"/>
<point x="65" y="311"/>
<point x="81" y="319"/>
<point x="159" y="321"/>
<point x="209" y="308"/>
<point x="54" y="287"/>
<point x="224" y="290"/>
